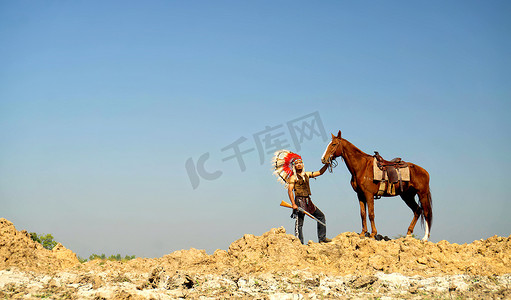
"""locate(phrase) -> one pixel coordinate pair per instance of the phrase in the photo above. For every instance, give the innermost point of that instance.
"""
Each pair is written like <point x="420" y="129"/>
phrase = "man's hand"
<point x="295" y="206"/>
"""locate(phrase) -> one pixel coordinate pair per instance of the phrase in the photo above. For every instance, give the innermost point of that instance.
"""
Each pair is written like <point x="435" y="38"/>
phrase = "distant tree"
<point x="45" y="240"/>
<point x="95" y="256"/>
<point x="404" y="235"/>
<point x="115" y="257"/>
<point x="112" y="257"/>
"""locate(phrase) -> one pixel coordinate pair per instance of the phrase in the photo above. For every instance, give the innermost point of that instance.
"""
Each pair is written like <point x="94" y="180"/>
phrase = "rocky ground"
<point x="271" y="266"/>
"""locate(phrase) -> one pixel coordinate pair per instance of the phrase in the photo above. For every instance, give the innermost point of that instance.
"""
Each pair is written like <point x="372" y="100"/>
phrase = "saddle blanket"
<point x="404" y="173"/>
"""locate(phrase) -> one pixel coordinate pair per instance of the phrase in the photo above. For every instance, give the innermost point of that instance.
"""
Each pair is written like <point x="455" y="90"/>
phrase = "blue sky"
<point x="103" y="103"/>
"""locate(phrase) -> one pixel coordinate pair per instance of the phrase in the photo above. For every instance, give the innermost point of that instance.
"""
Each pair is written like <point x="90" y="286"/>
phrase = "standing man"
<point x="289" y="167"/>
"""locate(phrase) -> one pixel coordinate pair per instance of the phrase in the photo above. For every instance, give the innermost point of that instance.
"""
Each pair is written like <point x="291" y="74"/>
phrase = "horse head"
<point x="333" y="150"/>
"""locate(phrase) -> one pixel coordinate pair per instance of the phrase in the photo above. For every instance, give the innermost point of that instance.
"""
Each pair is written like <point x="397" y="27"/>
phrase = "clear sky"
<point x="119" y="120"/>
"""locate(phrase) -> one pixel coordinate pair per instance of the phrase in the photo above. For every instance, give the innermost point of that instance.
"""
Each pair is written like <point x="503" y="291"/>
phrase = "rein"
<point x="333" y="160"/>
<point x="332" y="165"/>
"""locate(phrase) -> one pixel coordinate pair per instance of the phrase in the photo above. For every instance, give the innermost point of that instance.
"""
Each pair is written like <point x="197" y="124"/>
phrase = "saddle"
<point x="391" y="169"/>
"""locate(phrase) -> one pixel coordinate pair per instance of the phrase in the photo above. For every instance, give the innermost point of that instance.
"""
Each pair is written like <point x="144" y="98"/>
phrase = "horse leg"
<point x="426" y="233"/>
<point x="370" y="208"/>
<point x="362" y="202"/>
<point x="410" y="201"/>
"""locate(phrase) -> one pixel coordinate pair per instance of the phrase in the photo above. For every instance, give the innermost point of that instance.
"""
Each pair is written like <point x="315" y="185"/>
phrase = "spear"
<point x="285" y="204"/>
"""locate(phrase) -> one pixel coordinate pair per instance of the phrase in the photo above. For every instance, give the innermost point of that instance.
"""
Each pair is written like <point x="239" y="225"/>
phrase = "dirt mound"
<point x="278" y="252"/>
<point x="274" y="263"/>
<point x="275" y="251"/>
<point x="17" y="249"/>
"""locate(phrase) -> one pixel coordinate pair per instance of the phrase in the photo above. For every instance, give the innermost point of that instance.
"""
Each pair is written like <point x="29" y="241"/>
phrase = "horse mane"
<point x="353" y="148"/>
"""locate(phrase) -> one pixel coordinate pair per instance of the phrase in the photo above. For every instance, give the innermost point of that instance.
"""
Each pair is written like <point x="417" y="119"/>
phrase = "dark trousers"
<point x="321" y="229"/>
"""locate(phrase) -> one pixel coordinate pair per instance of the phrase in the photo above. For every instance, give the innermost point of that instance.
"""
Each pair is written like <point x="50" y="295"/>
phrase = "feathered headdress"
<point x="283" y="165"/>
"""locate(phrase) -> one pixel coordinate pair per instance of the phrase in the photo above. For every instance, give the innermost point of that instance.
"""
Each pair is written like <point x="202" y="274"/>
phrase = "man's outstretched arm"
<point x="320" y="172"/>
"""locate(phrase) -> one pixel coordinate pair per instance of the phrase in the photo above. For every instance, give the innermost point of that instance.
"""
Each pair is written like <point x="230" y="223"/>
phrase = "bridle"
<point x="332" y="160"/>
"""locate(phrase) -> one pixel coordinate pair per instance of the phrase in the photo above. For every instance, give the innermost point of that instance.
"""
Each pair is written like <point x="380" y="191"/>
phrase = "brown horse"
<point x="360" y="166"/>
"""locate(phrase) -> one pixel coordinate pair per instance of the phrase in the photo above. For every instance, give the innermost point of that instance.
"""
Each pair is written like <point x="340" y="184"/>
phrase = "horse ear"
<point x="338" y="134"/>
<point x="333" y="136"/>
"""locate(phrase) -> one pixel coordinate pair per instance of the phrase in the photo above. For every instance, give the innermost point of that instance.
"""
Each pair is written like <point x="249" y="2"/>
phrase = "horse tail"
<point x="426" y="207"/>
